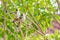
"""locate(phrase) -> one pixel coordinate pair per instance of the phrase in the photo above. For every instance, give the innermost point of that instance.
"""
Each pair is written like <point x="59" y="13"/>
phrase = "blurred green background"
<point x="39" y="17"/>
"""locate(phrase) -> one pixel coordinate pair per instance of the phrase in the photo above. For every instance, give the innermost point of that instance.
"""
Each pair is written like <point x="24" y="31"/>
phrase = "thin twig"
<point x="36" y="25"/>
<point x="4" y="10"/>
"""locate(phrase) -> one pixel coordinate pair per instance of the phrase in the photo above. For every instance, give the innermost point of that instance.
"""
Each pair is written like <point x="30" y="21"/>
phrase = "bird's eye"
<point x="21" y="14"/>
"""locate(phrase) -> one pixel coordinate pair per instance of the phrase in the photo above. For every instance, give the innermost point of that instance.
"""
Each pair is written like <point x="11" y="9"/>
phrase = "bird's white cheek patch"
<point x="18" y="14"/>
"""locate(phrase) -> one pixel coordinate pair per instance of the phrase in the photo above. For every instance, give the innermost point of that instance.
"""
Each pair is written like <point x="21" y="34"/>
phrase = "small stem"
<point x="36" y="25"/>
<point x="4" y="10"/>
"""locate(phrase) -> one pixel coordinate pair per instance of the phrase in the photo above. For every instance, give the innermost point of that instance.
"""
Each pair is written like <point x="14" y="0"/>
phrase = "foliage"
<point x="39" y="14"/>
